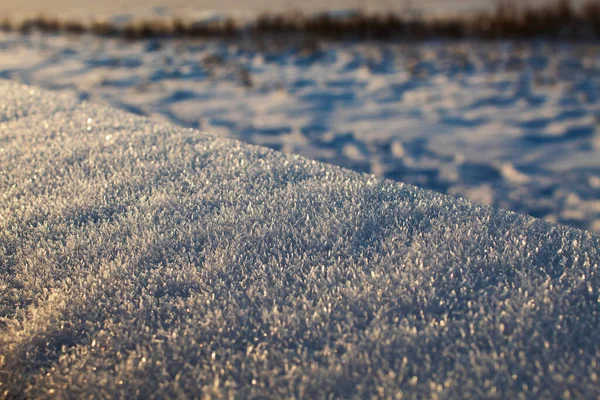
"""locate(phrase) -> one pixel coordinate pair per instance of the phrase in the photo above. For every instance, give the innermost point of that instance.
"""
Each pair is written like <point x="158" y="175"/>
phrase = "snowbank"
<point x="471" y="120"/>
<point x="142" y="260"/>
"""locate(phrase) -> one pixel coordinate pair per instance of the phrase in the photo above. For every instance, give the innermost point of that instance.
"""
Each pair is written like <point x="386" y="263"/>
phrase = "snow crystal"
<point x="177" y="264"/>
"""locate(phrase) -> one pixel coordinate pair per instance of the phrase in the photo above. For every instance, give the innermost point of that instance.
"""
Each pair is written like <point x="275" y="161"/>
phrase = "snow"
<point x="141" y="259"/>
<point x="513" y="125"/>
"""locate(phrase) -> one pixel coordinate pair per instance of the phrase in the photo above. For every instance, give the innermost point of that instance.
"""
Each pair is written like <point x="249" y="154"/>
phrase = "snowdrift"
<point x="142" y="260"/>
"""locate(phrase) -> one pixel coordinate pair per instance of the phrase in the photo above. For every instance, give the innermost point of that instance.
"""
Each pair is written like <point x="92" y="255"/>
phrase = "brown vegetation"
<point x="555" y="20"/>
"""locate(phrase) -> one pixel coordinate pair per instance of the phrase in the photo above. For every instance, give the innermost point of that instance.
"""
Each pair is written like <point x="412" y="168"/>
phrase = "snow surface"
<point x="142" y="260"/>
<point x="513" y="125"/>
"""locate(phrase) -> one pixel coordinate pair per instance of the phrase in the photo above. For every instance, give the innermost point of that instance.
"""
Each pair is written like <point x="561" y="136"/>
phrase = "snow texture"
<point x="142" y="260"/>
<point x="512" y="125"/>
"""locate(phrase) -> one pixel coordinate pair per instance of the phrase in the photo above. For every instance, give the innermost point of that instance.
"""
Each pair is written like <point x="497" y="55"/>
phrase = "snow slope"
<point x="513" y="125"/>
<point x="143" y="260"/>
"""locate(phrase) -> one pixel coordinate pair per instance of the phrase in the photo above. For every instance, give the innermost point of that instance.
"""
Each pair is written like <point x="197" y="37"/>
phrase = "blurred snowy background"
<point x="510" y="123"/>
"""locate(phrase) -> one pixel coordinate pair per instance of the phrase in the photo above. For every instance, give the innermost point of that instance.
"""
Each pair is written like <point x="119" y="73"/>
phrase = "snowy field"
<point x="143" y="260"/>
<point x="513" y="125"/>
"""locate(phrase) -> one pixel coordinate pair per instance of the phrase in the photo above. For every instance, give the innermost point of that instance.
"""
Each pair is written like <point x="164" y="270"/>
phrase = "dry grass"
<point x="555" y="20"/>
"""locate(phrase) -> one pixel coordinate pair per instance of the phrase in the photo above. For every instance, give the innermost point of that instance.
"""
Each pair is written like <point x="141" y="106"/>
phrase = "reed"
<point x="557" y="19"/>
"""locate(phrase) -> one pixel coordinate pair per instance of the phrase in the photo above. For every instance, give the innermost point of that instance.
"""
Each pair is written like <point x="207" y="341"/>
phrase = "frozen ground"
<point x="142" y="260"/>
<point x="512" y="125"/>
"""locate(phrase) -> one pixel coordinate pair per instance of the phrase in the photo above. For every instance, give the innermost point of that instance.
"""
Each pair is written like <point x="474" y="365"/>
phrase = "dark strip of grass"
<point x="555" y="20"/>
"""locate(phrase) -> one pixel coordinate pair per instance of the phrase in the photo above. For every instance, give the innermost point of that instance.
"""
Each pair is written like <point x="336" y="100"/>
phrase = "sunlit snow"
<point x="173" y="264"/>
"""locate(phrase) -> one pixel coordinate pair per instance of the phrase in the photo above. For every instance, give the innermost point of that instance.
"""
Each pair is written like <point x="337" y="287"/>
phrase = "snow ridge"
<point x="143" y="260"/>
